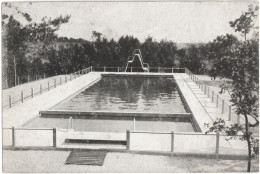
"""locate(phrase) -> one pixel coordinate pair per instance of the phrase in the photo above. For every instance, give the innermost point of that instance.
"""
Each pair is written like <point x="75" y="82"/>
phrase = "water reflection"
<point x="131" y="94"/>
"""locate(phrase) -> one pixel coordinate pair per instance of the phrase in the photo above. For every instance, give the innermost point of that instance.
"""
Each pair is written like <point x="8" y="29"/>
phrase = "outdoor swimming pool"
<point x="113" y="103"/>
<point x="128" y="94"/>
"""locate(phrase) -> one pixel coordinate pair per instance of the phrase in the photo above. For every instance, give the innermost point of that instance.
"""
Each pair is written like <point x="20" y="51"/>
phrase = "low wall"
<point x="185" y="117"/>
<point x="172" y="142"/>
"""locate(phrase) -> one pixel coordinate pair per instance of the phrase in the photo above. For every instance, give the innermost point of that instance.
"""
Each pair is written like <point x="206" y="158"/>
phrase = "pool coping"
<point x="86" y="114"/>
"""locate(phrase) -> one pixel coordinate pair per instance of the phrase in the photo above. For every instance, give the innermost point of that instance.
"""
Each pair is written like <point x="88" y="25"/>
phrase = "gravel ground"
<point x="54" y="161"/>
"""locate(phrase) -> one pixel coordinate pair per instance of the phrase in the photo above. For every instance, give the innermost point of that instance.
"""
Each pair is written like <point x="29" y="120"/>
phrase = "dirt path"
<point x="53" y="161"/>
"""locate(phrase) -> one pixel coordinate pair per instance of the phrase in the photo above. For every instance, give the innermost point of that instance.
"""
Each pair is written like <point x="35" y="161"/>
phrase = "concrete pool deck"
<point x="23" y="112"/>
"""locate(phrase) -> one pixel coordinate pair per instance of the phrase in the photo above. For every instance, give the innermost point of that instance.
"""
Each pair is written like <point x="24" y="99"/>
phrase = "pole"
<point x="217" y="144"/>
<point x="54" y="137"/>
<point x="222" y="111"/>
<point x="48" y="86"/>
<point x="13" y="137"/>
<point x="172" y="142"/>
<point x="217" y="101"/>
<point x="22" y="96"/>
<point x="134" y="124"/>
<point x="28" y="78"/>
<point x="55" y="83"/>
<point x="40" y="88"/>
<point x="32" y="92"/>
<point x="127" y="140"/>
<point x="229" y="113"/>
<point x="212" y="96"/>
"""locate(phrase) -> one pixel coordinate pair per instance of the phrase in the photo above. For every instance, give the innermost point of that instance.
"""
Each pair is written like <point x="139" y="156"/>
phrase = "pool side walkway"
<point x="23" y="112"/>
<point x="210" y="107"/>
<point x="200" y="115"/>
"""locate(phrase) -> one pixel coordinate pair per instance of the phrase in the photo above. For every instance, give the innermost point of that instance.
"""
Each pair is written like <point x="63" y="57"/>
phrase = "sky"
<point x="181" y="22"/>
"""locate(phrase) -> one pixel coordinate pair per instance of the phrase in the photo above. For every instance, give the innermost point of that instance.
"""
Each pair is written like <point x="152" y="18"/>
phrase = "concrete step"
<point x="91" y="146"/>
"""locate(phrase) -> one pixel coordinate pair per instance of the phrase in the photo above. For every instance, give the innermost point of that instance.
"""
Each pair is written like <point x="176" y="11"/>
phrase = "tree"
<point x="245" y="22"/>
<point x="18" y="38"/>
<point x="244" y="72"/>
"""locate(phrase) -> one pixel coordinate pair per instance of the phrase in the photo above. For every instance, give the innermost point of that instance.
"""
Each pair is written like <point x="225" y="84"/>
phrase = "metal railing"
<point x="139" y="69"/>
<point x="48" y="84"/>
<point x="224" y="107"/>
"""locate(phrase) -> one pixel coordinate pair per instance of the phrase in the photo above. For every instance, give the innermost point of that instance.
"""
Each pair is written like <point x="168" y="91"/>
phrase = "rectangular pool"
<point x="112" y="104"/>
<point x="128" y="94"/>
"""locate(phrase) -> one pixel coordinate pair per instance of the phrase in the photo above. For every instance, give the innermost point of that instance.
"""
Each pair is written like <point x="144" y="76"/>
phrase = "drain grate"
<point x="86" y="157"/>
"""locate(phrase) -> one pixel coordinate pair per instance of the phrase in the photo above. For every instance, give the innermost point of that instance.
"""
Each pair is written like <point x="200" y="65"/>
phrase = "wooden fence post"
<point x="55" y="83"/>
<point x="18" y="80"/>
<point x="117" y="69"/>
<point x="91" y="68"/>
<point x="54" y="137"/>
<point x="48" y="86"/>
<point x="172" y="142"/>
<point x="131" y="69"/>
<point x="128" y="140"/>
<point x="213" y="96"/>
<point x="70" y="76"/>
<point x="104" y="69"/>
<point x="13" y="137"/>
<point x="217" y="144"/>
<point x="28" y="78"/>
<point x="40" y="88"/>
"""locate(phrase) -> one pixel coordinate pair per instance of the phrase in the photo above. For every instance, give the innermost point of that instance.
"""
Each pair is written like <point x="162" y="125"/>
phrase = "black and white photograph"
<point x="130" y="86"/>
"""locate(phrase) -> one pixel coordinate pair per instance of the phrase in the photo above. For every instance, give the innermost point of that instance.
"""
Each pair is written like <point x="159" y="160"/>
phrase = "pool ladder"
<point x="130" y="59"/>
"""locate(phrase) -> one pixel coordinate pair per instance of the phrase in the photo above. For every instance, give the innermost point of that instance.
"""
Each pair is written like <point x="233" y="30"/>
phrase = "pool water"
<point x="128" y="94"/>
<point x="131" y="94"/>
